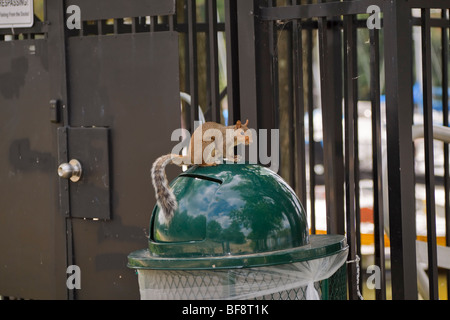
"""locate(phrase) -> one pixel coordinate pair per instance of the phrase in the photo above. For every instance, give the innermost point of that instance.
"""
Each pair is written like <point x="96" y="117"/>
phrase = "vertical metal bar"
<point x="299" y="127"/>
<point x="116" y="26"/>
<point x="350" y="75"/>
<point x="356" y="172"/>
<point x="209" y="109"/>
<point x="445" y="52"/>
<point x="251" y="39"/>
<point x="268" y="81"/>
<point x="133" y="25"/>
<point x="257" y="62"/>
<point x="183" y="16"/>
<point x="399" y="117"/>
<point x="331" y="96"/>
<point x="58" y="83"/>
<point x="100" y="27"/>
<point x="171" y="22"/>
<point x="377" y="161"/>
<point x="354" y="97"/>
<point x="231" y="35"/>
<point x="82" y="28"/>
<point x="213" y="60"/>
<point x="64" y="201"/>
<point x="266" y="77"/>
<point x="322" y="38"/>
<point x="312" y="158"/>
<point x="153" y="23"/>
<point x="273" y="51"/>
<point x="429" y="157"/>
<point x="289" y="100"/>
<point x="193" y="71"/>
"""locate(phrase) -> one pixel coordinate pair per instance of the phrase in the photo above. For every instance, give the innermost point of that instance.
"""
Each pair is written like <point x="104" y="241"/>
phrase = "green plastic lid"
<point x="232" y="216"/>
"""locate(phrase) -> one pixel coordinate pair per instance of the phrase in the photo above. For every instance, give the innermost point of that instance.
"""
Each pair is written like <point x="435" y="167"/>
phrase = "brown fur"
<point x="164" y="195"/>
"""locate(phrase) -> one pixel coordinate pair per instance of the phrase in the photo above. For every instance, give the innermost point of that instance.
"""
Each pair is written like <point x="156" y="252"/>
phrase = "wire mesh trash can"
<point x="239" y="232"/>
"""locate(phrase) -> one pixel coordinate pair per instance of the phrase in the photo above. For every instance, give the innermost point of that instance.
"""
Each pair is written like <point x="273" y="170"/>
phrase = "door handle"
<point x="71" y="170"/>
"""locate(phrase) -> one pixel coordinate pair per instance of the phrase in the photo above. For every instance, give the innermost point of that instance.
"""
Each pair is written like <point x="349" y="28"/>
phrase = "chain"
<point x="356" y="260"/>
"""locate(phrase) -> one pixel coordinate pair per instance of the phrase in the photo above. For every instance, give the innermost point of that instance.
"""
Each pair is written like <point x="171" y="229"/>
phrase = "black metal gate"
<point x="102" y="95"/>
<point x="334" y="26"/>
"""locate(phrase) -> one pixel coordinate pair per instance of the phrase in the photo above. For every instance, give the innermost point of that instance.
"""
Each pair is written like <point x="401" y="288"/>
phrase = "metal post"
<point x="377" y="170"/>
<point x="399" y="116"/>
<point x="57" y="55"/>
<point x="350" y="108"/>
<point x="249" y="40"/>
<point x="331" y="96"/>
<point x="299" y="127"/>
<point x="429" y="158"/>
<point x="231" y="32"/>
<point x="312" y="153"/>
<point x="444" y="41"/>
<point x="213" y="60"/>
<point x="193" y="71"/>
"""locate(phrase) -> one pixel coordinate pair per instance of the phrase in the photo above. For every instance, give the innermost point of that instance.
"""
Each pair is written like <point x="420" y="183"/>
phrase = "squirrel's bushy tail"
<point x="164" y="195"/>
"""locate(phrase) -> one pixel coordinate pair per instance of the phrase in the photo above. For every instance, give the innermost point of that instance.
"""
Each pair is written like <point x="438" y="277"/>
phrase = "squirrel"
<point x="215" y="141"/>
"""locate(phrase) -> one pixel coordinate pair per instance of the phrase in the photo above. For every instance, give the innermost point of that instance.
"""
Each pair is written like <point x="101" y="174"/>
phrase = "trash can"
<point x="239" y="232"/>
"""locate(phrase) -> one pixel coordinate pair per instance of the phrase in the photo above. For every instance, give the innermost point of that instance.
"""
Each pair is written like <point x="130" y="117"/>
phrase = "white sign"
<point x="16" y="13"/>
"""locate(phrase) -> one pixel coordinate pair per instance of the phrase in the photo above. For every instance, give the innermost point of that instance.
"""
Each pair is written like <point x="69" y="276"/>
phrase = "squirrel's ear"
<point x="238" y="124"/>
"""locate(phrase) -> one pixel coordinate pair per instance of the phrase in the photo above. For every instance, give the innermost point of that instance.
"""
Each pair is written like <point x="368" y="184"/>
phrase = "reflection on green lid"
<point x="229" y="216"/>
